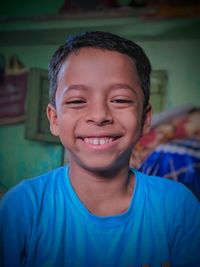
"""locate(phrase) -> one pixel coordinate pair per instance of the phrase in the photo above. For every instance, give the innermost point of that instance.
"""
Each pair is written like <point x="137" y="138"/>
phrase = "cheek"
<point x="65" y="123"/>
<point x="130" y="119"/>
<point x="133" y="122"/>
<point x="68" y="123"/>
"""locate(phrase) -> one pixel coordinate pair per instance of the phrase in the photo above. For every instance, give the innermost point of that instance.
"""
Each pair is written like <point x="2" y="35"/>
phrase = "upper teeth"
<point x="98" y="141"/>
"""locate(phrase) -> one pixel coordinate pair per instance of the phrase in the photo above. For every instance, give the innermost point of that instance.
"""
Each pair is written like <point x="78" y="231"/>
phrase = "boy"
<point x="96" y="212"/>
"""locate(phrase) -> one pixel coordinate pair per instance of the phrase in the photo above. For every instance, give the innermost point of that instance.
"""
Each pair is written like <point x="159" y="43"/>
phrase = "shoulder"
<point x="174" y="204"/>
<point x="30" y="191"/>
<point x="163" y="185"/>
<point x="46" y="180"/>
<point x="171" y="195"/>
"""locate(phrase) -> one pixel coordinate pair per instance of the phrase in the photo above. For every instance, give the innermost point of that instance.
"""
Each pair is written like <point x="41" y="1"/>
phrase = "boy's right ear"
<point x="53" y="119"/>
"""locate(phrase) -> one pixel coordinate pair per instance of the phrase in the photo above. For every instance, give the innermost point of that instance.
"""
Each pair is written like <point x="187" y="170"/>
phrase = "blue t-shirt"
<point x="43" y="223"/>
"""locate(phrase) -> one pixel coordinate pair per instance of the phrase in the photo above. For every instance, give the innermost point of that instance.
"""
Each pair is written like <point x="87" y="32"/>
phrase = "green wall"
<point x="178" y="54"/>
<point x="18" y="8"/>
<point x="21" y="158"/>
<point x="181" y="60"/>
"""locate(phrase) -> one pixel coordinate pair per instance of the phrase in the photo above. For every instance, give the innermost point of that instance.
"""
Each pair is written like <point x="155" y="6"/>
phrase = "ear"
<point x="147" y="117"/>
<point x="53" y="119"/>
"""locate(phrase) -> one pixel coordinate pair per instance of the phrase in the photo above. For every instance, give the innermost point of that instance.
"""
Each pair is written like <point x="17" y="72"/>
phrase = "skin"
<point x="98" y="117"/>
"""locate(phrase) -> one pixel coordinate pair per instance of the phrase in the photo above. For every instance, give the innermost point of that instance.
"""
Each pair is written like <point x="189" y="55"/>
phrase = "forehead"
<point x="97" y="59"/>
<point x="97" y="50"/>
<point x="98" y="71"/>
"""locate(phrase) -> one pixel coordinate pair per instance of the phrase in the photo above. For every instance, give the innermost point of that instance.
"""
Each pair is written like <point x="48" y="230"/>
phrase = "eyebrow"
<point x="74" y="87"/>
<point x="115" y="86"/>
<point x="119" y="86"/>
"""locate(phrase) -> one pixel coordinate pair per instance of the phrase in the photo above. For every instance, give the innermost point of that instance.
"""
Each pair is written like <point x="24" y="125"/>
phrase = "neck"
<point x="102" y="193"/>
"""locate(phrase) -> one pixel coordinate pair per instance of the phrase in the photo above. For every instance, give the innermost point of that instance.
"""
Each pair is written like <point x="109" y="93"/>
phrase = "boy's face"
<point x="99" y="109"/>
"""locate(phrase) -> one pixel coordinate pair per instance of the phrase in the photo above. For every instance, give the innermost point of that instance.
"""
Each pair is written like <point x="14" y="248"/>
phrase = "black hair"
<point x="105" y="41"/>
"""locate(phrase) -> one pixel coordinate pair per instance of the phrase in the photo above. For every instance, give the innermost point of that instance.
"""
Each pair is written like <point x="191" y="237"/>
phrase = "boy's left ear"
<point x="147" y="117"/>
<point x="53" y="119"/>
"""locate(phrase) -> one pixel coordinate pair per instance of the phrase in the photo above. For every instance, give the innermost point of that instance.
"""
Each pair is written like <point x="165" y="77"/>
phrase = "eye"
<point x="121" y="101"/>
<point x="75" y="103"/>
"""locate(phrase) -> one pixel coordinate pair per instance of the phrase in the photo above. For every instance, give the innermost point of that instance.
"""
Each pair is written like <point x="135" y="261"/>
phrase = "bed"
<point x="172" y="147"/>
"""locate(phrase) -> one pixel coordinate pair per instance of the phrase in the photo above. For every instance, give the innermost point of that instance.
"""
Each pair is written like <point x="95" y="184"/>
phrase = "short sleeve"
<point x="14" y="227"/>
<point x="186" y="236"/>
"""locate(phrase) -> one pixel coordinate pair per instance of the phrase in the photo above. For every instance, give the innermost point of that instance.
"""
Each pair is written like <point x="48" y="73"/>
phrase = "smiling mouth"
<point x="99" y="140"/>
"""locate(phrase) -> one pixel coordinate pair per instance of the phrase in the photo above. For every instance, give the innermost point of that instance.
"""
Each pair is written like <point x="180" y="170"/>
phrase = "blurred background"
<point x="30" y="31"/>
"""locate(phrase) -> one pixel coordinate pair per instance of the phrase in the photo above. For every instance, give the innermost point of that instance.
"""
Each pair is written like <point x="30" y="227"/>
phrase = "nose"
<point x="99" y="113"/>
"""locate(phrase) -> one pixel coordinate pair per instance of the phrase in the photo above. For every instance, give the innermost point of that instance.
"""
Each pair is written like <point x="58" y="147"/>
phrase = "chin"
<point x="100" y="163"/>
<point x="104" y="167"/>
